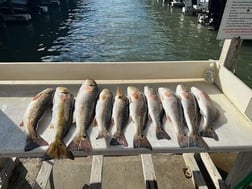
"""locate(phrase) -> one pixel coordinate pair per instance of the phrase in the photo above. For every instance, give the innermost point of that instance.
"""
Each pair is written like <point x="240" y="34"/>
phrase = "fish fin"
<point x="141" y="142"/>
<point x="182" y="140"/>
<point x="51" y="126"/>
<point x="57" y="149"/>
<point x="197" y="141"/>
<point x="162" y="134"/>
<point x="80" y="144"/>
<point x="119" y="139"/>
<point x="210" y="133"/>
<point x="104" y="134"/>
<point x="21" y="124"/>
<point x="217" y="115"/>
<point x="34" y="143"/>
<point x="95" y="123"/>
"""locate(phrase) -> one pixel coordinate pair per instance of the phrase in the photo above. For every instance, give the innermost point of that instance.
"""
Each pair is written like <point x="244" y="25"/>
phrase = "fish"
<point x="103" y="113"/>
<point x="33" y="113"/>
<point x="208" y="111"/>
<point x="62" y="118"/>
<point x="83" y="115"/>
<point x="192" y="116"/>
<point x="174" y="113"/>
<point x="155" y="111"/>
<point x="138" y="113"/>
<point x="120" y="116"/>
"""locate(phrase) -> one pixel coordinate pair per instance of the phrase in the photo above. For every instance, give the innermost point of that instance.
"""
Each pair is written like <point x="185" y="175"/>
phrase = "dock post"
<point x="229" y="53"/>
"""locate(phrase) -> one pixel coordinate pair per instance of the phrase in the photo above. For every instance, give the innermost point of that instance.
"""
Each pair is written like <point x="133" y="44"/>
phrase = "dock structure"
<point x="20" y="81"/>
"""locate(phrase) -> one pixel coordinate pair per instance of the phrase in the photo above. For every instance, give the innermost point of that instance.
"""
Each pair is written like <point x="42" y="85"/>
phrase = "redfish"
<point x="62" y="118"/>
<point x="84" y="115"/>
<point x="33" y="113"/>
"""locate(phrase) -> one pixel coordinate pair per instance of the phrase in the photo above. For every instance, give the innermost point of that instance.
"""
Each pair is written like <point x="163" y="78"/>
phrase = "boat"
<point x="177" y="3"/>
<point x="195" y="7"/>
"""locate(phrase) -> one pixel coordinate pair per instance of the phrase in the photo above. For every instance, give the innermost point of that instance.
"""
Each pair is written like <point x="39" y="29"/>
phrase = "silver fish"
<point x="62" y="118"/>
<point x="208" y="111"/>
<point x="103" y="112"/>
<point x="174" y="113"/>
<point x="155" y="111"/>
<point x="192" y="116"/>
<point x="120" y="115"/>
<point x="84" y="115"/>
<point x="33" y="113"/>
<point x="138" y="113"/>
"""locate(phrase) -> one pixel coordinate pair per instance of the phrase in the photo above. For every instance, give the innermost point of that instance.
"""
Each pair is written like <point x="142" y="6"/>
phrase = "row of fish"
<point x="184" y="109"/>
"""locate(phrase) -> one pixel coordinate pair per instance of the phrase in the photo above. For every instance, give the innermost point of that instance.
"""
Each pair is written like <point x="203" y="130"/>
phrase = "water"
<point x="115" y="30"/>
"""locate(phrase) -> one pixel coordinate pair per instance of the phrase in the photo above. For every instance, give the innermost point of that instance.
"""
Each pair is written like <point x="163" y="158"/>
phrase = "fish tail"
<point x="197" y="141"/>
<point x="57" y="149"/>
<point x="141" y="141"/>
<point x="209" y="132"/>
<point x="182" y="140"/>
<point x="119" y="139"/>
<point x="34" y="143"/>
<point x="162" y="134"/>
<point x="104" y="134"/>
<point x="81" y="144"/>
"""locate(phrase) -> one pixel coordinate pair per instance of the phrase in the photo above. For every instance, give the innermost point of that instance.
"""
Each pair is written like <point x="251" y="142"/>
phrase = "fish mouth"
<point x="131" y="89"/>
<point x="90" y="82"/>
<point x="63" y="90"/>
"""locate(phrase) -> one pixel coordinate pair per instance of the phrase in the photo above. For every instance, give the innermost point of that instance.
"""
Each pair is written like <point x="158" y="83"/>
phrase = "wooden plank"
<point x="212" y="171"/>
<point x="6" y="172"/>
<point x="149" y="172"/>
<point x="44" y="175"/>
<point x="193" y="167"/>
<point x="96" y="172"/>
<point x="241" y="168"/>
<point x="105" y="70"/>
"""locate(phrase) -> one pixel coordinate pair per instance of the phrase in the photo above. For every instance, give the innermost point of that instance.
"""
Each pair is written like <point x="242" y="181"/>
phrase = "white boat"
<point x="193" y="8"/>
<point x="177" y="3"/>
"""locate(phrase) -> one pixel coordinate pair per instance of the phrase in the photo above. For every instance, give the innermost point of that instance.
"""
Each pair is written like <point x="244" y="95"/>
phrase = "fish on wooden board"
<point x="174" y="113"/>
<point x="138" y="114"/>
<point x="208" y="111"/>
<point x="103" y="112"/>
<point x="156" y="112"/>
<point x="120" y="115"/>
<point x="84" y="115"/>
<point x="62" y="118"/>
<point x="33" y="113"/>
<point x="192" y="117"/>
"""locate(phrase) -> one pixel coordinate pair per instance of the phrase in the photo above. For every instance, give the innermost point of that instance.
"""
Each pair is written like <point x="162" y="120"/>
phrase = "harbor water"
<point x="115" y="30"/>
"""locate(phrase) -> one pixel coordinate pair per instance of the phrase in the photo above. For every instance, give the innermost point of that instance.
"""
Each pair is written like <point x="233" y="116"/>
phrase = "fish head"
<point x="90" y="82"/>
<point x="149" y="91"/>
<point x="133" y="93"/>
<point x="89" y="85"/>
<point x="181" y="88"/>
<point x="48" y="91"/>
<point x="62" y="93"/>
<point x="62" y="90"/>
<point x="105" y="94"/>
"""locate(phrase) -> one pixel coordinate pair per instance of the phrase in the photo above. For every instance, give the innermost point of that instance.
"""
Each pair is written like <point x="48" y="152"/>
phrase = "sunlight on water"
<point x="115" y="30"/>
